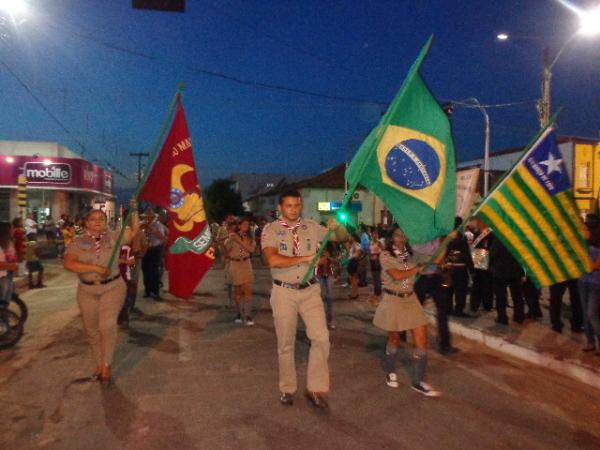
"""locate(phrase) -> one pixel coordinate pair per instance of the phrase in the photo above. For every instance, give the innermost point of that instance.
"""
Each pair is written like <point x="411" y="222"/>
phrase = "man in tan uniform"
<point x="289" y="245"/>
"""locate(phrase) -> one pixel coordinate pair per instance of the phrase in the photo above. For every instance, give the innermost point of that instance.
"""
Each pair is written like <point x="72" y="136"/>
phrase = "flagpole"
<point x="497" y="186"/>
<point x="152" y="160"/>
<point x="385" y="120"/>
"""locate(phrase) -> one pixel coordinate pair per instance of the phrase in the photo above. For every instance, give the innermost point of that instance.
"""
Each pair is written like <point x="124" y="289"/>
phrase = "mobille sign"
<point x="39" y="172"/>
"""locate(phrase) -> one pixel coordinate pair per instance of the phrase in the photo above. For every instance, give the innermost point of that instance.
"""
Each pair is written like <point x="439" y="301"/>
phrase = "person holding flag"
<point x="101" y="289"/>
<point x="172" y="183"/>
<point x="289" y="245"/>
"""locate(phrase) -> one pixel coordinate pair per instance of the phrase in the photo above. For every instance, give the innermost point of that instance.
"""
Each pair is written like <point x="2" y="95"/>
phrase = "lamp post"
<point x="472" y="102"/>
<point x="589" y="25"/>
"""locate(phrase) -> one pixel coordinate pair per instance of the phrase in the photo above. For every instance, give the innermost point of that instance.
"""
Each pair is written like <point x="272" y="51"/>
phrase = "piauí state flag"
<point x="533" y="213"/>
<point x="408" y="161"/>
<point x="173" y="185"/>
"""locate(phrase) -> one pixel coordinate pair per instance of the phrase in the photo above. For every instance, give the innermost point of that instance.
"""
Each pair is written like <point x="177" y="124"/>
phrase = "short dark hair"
<point x="289" y="193"/>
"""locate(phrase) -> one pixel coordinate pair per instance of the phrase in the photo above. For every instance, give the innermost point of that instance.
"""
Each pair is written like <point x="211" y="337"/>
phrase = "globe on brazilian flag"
<point x="408" y="161"/>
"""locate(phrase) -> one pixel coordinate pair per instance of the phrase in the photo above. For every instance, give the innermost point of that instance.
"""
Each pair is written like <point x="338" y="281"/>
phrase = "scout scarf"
<point x="294" y="230"/>
<point x="97" y="240"/>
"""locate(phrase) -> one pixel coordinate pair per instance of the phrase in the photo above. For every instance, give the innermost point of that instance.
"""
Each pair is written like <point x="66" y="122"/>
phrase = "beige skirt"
<point x="399" y="313"/>
<point x="241" y="272"/>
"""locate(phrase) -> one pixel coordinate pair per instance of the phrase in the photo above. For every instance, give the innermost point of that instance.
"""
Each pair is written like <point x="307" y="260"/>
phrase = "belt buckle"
<point x="96" y="282"/>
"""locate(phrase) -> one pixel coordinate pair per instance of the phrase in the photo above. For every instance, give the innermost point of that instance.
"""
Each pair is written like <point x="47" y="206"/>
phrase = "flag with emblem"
<point x="408" y="161"/>
<point x="172" y="183"/>
<point x="533" y="213"/>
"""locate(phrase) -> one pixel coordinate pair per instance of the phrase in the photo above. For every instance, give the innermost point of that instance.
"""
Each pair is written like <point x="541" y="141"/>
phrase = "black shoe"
<point x="502" y="320"/>
<point x="462" y="314"/>
<point x="448" y="350"/>
<point x="557" y="329"/>
<point x="317" y="400"/>
<point x="576" y="329"/>
<point x="286" y="399"/>
<point x="146" y="295"/>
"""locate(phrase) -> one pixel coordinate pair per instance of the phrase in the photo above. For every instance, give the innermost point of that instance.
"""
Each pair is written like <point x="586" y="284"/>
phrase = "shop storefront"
<point x="56" y="186"/>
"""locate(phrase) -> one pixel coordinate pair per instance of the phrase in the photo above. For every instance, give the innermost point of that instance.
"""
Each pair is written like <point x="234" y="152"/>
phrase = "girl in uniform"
<point x="400" y="310"/>
<point x="239" y="246"/>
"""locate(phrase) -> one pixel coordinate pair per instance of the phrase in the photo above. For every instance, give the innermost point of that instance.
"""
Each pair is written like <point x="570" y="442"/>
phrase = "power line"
<point x="55" y="118"/>
<point x="221" y="75"/>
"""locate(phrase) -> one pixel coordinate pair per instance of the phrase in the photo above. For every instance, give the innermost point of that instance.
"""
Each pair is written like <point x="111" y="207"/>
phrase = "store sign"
<point x="39" y="172"/>
<point x="58" y="173"/>
<point x="334" y="206"/>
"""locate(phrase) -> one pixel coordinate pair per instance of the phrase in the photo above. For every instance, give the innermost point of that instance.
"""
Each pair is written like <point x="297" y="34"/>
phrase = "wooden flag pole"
<point x="152" y="158"/>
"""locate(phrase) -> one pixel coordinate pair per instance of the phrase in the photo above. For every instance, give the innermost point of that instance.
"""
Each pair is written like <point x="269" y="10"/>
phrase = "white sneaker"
<point x="426" y="390"/>
<point x="391" y="379"/>
<point x="249" y="321"/>
<point x="238" y="319"/>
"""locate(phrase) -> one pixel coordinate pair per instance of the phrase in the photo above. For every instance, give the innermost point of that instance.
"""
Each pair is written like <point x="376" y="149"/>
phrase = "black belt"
<point x="397" y="294"/>
<point x="285" y="284"/>
<point x="108" y="280"/>
<point x="239" y="259"/>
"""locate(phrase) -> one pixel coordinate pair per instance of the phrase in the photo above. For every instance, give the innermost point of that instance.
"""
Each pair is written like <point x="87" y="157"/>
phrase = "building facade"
<point x="58" y="182"/>
<point x="581" y="157"/>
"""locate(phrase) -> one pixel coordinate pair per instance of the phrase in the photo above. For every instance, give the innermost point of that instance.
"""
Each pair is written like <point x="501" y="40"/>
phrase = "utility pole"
<point x="544" y="102"/>
<point x="139" y="156"/>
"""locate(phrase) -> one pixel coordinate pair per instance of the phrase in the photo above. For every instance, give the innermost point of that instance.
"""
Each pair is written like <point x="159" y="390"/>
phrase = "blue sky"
<point x="108" y="73"/>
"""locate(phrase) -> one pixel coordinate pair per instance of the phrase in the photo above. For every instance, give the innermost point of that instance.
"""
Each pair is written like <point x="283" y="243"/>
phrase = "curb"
<point x="578" y="372"/>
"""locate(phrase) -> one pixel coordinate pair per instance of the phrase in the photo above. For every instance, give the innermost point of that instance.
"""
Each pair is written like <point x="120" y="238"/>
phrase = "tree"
<point x="221" y="199"/>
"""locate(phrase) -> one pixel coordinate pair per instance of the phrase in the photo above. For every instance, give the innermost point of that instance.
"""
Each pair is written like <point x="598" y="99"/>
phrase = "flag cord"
<point x="151" y="159"/>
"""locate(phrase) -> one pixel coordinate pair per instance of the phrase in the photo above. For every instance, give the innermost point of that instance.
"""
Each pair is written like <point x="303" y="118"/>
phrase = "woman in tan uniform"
<point x="400" y="310"/>
<point x="101" y="289"/>
<point x="239" y="246"/>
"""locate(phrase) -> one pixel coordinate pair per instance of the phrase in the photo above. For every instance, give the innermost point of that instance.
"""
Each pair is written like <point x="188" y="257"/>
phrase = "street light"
<point x="472" y="102"/>
<point x="589" y="25"/>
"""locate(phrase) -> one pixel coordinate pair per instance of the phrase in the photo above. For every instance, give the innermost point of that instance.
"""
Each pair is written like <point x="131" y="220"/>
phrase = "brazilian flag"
<point x="408" y="161"/>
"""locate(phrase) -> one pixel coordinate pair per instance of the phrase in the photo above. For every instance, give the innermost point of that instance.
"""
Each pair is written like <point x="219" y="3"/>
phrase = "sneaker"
<point x="249" y="321"/>
<point x="391" y="379"/>
<point x="426" y="390"/>
<point x="286" y="399"/>
<point x="238" y="319"/>
<point x="331" y="325"/>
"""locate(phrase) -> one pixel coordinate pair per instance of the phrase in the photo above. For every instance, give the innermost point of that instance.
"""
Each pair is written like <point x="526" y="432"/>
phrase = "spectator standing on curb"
<point x="31" y="226"/>
<point x="589" y="286"/>
<point x="507" y="273"/>
<point x="34" y="264"/>
<point x="325" y="271"/>
<point x="460" y="265"/>
<point x="375" y="249"/>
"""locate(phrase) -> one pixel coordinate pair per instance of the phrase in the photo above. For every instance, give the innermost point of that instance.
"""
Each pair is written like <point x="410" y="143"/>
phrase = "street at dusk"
<point x="187" y="377"/>
<point x="243" y="224"/>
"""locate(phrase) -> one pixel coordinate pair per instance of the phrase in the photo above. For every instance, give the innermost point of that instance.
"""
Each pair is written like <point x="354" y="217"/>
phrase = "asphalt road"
<point x="187" y="377"/>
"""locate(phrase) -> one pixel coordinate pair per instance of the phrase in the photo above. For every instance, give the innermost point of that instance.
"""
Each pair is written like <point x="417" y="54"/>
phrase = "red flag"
<point x="173" y="184"/>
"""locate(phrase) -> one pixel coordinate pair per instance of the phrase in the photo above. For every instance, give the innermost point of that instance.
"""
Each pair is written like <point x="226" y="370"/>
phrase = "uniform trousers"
<point x="431" y="285"/>
<point x="151" y="263"/>
<point x="100" y="306"/>
<point x="286" y="305"/>
<point x="457" y="291"/>
<point x="516" y="293"/>
<point x="482" y="291"/>
<point x="557" y="291"/>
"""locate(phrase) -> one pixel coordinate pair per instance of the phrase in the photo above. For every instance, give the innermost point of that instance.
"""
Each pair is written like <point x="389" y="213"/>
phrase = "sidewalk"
<point x="534" y="341"/>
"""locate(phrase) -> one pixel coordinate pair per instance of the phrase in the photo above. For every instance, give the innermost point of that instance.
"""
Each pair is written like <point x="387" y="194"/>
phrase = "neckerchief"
<point x="294" y="230"/>
<point x="97" y="240"/>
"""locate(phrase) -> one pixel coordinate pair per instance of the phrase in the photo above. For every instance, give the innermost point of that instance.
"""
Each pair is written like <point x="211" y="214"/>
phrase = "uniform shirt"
<point x="236" y="251"/>
<point x="402" y="261"/>
<point x="155" y="227"/>
<point x="84" y="248"/>
<point x="274" y="235"/>
<point x="424" y="252"/>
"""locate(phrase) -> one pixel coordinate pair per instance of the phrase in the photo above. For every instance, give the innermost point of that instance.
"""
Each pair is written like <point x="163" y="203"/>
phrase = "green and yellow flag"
<point x="533" y="213"/>
<point x="408" y="161"/>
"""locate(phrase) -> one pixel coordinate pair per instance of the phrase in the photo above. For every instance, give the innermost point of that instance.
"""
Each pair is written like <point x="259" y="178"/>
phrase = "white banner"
<point x="466" y="191"/>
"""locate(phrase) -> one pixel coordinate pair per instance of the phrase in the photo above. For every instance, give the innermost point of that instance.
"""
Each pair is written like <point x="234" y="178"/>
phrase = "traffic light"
<point x="160" y="5"/>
